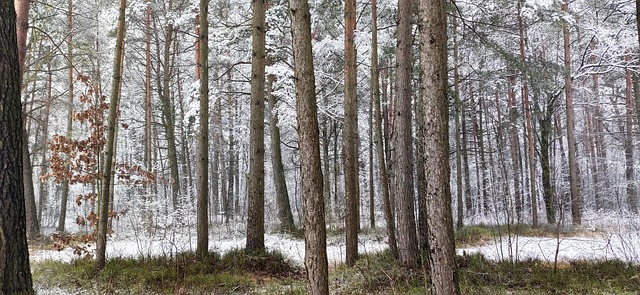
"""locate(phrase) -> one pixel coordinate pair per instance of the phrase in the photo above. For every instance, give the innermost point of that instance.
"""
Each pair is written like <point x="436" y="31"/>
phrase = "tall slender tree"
<point x="202" y="182"/>
<point x="103" y="214"/>
<point x="350" y="134"/>
<point x="65" y="182"/>
<point x="255" y="214"/>
<point x="375" y="97"/>
<point x="15" y="274"/>
<point x="433" y="63"/>
<point x="315" y="236"/>
<point x="576" y="198"/>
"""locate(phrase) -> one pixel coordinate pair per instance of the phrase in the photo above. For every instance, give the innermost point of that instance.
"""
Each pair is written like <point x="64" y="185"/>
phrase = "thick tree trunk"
<point x="311" y="170"/>
<point x="255" y="214"/>
<point x="434" y="88"/>
<point x="407" y="240"/>
<point x="576" y="198"/>
<point x="350" y="134"/>
<point x="15" y="274"/>
<point x="202" y="178"/>
<point x="103" y="214"/>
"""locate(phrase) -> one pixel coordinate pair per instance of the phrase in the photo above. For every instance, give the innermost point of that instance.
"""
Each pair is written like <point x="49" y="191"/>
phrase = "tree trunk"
<point x="407" y="240"/>
<point x="434" y="89"/>
<point x="515" y="148"/>
<point x="282" y="193"/>
<point x="311" y="170"/>
<point x="15" y="274"/>
<point x="350" y="134"/>
<point x="65" y="182"/>
<point x="202" y="178"/>
<point x="43" y="148"/>
<point x="255" y="214"/>
<point x="576" y="198"/>
<point x="527" y="113"/>
<point x="546" y="130"/>
<point x="457" y="106"/>
<point x="103" y="214"/>
<point x="632" y="193"/>
<point x="375" y="97"/>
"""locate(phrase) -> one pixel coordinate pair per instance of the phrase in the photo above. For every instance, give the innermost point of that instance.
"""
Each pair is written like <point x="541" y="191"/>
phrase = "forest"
<point x="319" y="147"/>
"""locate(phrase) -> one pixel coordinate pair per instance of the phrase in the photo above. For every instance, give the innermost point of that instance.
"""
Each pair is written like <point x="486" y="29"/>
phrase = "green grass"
<point x="235" y="272"/>
<point x="379" y="274"/>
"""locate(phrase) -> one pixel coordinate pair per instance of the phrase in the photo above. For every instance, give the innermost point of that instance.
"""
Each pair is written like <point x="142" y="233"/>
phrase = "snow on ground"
<point x="128" y="245"/>
<point x="603" y="236"/>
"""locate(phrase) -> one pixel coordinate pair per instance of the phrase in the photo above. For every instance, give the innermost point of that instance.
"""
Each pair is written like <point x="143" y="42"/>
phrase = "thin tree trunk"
<point x="43" y="146"/>
<point x="103" y="213"/>
<point x="632" y="193"/>
<point x="457" y="106"/>
<point x="202" y="178"/>
<point x="576" y="198"/>
<point x="65" y="182"/>
<point x="527" y="113"/>
<point x="515" y="147"/>
<point x="375" y="97"/>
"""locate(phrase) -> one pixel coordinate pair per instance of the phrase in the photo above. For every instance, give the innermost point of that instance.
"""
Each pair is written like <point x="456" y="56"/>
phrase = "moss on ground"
<point x="235" y="272"/>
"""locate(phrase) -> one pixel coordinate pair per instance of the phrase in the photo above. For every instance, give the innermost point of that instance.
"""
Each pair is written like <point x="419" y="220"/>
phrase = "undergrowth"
<point x="380" y="274"/>
<point x="236" y="272"/>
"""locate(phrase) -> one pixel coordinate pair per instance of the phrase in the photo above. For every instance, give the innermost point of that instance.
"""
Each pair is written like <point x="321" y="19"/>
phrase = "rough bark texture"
<point x="315" y="259"/>
<point x="350" y="134"/>
<point x="202" y="178"/>
<point x="103" y="214"/>
<point x="576" y="198"/>
<point x="407" y="239"/>
<point x="282" y="193"/>
<point x="375" y="96"/>
<point x="15" y="274"/>
<point x="433" y="63"/>
<point x="255" y="214"/>
<point x="515" y="147"/>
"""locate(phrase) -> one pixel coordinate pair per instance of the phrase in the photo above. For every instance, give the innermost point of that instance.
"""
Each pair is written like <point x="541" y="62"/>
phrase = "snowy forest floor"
<point x="493" y="259"/>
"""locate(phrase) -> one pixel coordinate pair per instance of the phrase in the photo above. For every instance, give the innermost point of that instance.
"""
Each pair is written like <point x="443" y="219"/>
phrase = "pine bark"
<point x="434" y="89"/>
<point x="407" y="239"/>
<point x="313" y="202"/>
<point x="103" y="214"/>
<point x="255" y="214"/>
<point x="202" y="178"/>
<point x="15" y="274"/>
<point x="350" y="134"/>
